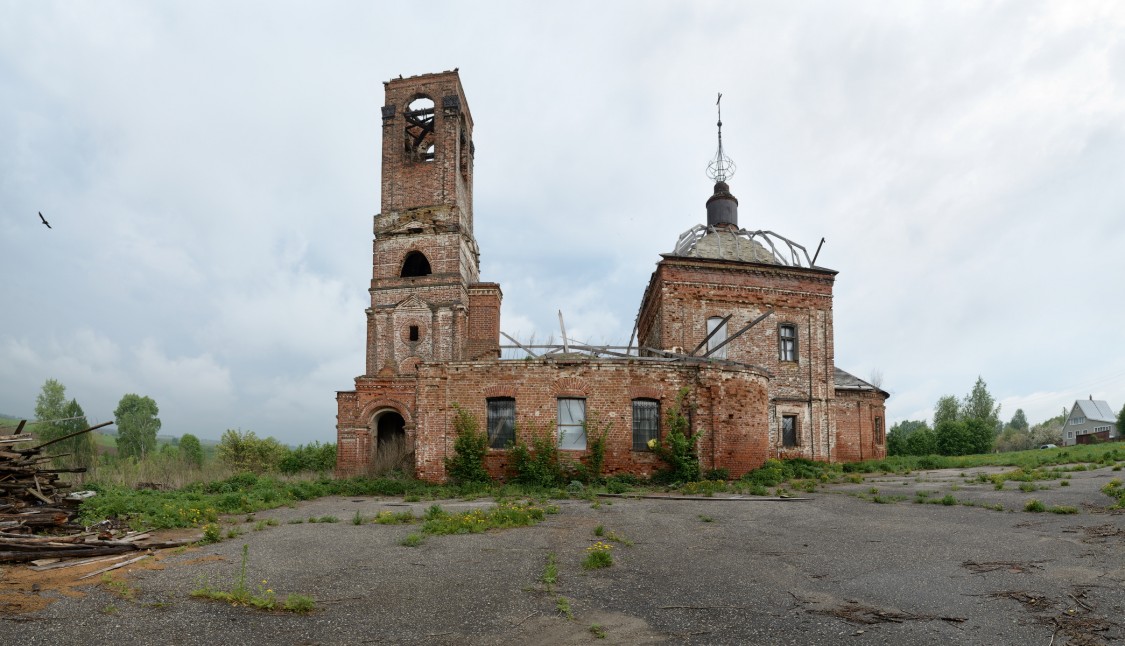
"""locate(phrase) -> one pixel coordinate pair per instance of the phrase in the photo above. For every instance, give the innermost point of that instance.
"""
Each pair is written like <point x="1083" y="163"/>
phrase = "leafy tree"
<point x="191" y="450"/>
<point x="897" y="436"/>
<point x="58" y="418"/>
<point x="1121" y="421"/>
<point x="954" y="438"/>
<point x="922" y="442"/>
<point x="1019" y="421"/>
<point x="244" y="452"/>
<point x="137" y="426"/>
<point x="979" y="404"/>
<point x="81" y="449"/>
<point x="896" y="442"/>
<point x="981" y="436"/>
<point x="948" y="409"/>
<point x="49" y="404"/>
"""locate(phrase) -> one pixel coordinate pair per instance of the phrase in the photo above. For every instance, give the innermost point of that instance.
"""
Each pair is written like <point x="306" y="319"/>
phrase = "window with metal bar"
<point x="646" y="423"/>
<point x="501" y="422"/>
<point x="789" y="431"/>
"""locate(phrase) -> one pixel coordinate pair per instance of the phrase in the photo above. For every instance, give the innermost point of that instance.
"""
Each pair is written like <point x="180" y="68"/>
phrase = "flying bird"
<point x="44" y="220"/>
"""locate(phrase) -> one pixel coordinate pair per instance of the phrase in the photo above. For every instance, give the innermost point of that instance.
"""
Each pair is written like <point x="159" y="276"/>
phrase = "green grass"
<point x="262" y="597"/>
<point x="599" y="555"/>
<point x="201" y="503"/>
<point x="1104" y="454"/>
<point x="550" y="574"/>
<point x="503" y="516"/>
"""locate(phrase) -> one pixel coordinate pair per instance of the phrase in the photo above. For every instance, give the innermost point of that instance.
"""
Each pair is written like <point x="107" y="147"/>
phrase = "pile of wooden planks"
<point x="31" y="495"/>
<point x="19" y="548"/>
<point x="32" y="499"/>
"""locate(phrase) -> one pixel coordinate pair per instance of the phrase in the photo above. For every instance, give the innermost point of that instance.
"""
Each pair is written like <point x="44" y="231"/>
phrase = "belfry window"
<point x="418" y="136"/>
<point x="415" y="265"/>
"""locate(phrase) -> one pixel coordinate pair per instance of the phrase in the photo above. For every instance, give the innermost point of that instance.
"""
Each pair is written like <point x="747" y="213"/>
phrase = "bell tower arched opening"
<point x="392" y="452"/>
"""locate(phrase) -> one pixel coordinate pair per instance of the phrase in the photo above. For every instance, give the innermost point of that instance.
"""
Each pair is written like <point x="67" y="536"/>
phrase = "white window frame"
<point x="571" y="426"/>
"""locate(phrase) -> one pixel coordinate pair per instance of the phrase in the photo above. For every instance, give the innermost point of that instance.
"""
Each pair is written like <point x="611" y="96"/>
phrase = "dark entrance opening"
<point x="390" y="442"/>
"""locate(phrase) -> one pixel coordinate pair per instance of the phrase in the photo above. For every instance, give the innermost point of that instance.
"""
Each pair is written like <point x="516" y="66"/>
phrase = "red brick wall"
<point x="448" y="179"/>
<point x="484" y="322"/>
<point x="684" y="292"/>
<point x="855" y="437"/>
<point x="734" y="401"/>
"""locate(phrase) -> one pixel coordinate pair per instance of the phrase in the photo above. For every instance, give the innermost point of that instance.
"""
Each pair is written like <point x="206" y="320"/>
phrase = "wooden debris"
<point x="115" y="566"/>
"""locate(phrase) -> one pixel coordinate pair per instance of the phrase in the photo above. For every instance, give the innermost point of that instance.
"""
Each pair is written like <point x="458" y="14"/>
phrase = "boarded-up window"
<point x="718" y="327"/>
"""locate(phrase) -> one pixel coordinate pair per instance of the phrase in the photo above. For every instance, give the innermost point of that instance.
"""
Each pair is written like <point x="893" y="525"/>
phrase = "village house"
<point x="1090" y="421"/>
<point x="738" y="321"/>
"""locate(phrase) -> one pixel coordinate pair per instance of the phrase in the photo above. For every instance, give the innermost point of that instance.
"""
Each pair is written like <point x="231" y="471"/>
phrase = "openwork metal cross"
<point x="722" y="167"/>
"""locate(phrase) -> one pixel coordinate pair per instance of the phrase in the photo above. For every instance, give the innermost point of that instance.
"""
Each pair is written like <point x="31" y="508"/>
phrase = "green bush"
<point x="677" y="449"/>
<point x="539" y="465"/>
<point x="309" y="457"/>
<point x="245" y="451"/>
<point x="469" y="449"/>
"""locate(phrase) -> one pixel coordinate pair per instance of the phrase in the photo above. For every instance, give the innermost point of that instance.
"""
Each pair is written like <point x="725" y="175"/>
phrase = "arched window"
<point x="415" y="265"/>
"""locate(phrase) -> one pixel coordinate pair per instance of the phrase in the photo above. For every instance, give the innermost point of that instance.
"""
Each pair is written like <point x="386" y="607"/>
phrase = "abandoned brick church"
<point x="739" y="320"/>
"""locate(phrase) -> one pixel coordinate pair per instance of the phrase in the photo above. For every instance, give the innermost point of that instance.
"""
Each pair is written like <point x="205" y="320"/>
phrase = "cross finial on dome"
<point x="722" y="167"/>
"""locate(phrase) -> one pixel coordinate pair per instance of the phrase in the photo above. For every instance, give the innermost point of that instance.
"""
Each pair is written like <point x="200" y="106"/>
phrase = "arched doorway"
<point x="391" y="450"/>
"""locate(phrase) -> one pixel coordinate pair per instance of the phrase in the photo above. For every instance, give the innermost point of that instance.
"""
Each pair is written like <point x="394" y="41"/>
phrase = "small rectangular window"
<point x="572" y="424"/>
<point x="413" y="332"/>
<point x="878" y="430"/>
<point x="789" y="431"/>
<point x="787" y="342"/>
<point x="501" y="422"/>
<point x="646" y="423"/>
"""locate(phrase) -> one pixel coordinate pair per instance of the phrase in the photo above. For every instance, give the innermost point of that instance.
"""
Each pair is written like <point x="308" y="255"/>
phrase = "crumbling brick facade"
<point x="433" y="332"/>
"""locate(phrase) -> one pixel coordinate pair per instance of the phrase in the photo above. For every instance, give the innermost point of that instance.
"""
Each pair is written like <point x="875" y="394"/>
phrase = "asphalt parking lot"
<point x="837" y="567"/>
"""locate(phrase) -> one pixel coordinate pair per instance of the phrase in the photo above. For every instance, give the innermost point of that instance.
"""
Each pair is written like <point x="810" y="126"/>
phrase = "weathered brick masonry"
<point x="433" y="329"/>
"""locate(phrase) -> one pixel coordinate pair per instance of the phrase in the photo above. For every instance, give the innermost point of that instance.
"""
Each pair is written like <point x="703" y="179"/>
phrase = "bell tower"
<point x="425" y="255"/>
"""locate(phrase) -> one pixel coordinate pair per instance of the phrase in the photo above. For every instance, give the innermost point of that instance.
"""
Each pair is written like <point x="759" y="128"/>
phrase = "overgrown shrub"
<point x="677" y="449"/>
<point x="594" y="460"/>
<point x="309" y="457"/>
<point x="245" y="451"/>
<point x="469" y="449"/>
<point x="537" y="465"/>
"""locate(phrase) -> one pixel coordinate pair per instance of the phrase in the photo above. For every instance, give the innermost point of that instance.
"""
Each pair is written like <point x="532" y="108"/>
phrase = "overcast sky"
<point x="211" y="169"/>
